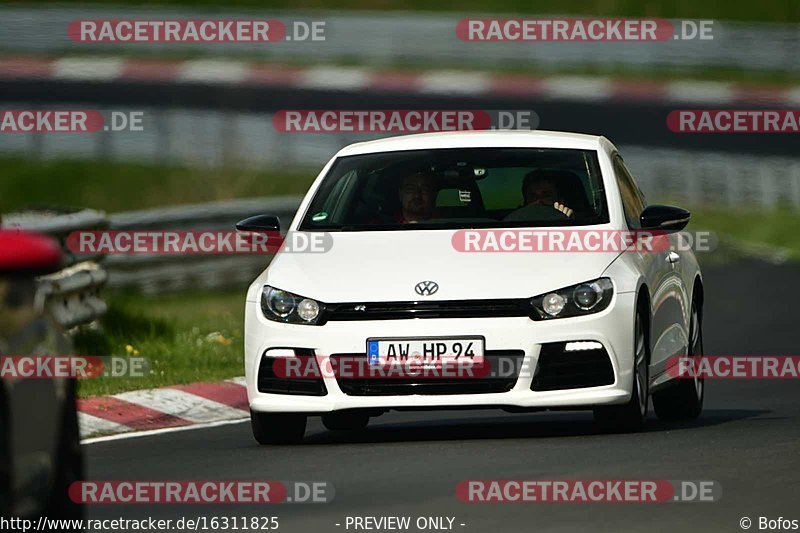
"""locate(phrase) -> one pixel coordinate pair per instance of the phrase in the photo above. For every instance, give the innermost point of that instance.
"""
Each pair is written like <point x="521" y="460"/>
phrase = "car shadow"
<point x="529" y="426"/>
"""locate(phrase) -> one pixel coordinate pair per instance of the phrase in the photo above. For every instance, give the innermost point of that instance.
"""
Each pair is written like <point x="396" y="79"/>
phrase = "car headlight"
<point x="283" y="306"/>
<point x="581" y="299"/>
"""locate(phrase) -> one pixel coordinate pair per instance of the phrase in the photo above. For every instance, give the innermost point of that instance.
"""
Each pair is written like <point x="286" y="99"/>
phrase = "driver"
<point x="417" y="198"/>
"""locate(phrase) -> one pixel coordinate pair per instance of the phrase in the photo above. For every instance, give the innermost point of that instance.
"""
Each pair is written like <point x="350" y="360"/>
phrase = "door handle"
<point x="673" y="257"/>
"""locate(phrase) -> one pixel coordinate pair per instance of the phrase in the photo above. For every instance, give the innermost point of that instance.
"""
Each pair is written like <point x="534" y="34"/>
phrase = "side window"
<point x="339" y="196"/>
<point x="633" y="201"/>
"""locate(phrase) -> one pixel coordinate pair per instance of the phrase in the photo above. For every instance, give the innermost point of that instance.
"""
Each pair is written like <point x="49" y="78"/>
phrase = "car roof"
<point x="477" y="139"/>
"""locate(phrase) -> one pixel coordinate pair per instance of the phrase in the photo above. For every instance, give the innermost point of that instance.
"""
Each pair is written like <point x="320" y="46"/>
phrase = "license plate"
<point x="432" y="351"/>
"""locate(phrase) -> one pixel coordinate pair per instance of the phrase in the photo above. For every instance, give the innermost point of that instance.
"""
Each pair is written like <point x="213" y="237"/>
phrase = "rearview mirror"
<point x="664" y="217"/>
<point x="260" y="223"/>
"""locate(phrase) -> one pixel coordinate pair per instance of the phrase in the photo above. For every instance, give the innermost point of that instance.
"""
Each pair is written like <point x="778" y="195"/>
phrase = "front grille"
<point x="505" y="366"/>
<point x="269" y="382"/>
<point x="558" y="369"/>
<point x="427" y="309"/>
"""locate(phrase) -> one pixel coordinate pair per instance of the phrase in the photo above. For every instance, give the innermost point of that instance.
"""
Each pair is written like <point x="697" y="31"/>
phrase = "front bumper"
<point x="613" y="328"/>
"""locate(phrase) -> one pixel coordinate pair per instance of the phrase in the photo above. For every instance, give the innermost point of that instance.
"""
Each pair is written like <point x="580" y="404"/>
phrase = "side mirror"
<point x="664" y="217"/>
<point x="259" y="223"/>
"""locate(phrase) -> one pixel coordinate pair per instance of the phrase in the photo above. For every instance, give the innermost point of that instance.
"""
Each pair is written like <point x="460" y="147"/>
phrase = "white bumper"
<point x="612" y="327"/>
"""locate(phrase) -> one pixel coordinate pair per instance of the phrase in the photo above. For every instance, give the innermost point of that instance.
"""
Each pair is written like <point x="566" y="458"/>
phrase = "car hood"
<point x="386" y="266"/>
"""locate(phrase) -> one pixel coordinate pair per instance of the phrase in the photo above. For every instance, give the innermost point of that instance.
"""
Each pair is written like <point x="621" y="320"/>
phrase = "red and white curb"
<point x="473" y="83"/>
<point x="168" y="407"/>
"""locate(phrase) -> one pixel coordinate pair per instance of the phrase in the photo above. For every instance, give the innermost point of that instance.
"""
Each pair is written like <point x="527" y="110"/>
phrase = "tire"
<point x="684" y="400"/>
<point x="278" y="428"/>
<point x="630" y="417"/>
<point x="345" y="420"/>
<point x="69" y="467"/>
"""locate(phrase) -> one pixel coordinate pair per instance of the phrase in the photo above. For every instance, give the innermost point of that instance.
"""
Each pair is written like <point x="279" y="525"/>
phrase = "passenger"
<point x="538" y="188"/>
<point x="540" y="192"/>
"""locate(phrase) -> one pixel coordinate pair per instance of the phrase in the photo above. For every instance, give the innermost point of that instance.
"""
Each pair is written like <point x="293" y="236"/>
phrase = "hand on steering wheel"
<point x="563" y="209"/>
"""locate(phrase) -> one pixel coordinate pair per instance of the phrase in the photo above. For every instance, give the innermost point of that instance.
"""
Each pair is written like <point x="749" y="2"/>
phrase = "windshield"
<point x="459" y="188"/>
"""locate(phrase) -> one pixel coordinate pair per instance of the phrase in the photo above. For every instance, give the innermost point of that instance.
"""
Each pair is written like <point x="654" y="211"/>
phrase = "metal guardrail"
<point x="371" y="38"/>
<point x="58" y="223"/>
<point x="163" y="273"/>
<point x="213" y="215"/>
<point x="71" y="295"/>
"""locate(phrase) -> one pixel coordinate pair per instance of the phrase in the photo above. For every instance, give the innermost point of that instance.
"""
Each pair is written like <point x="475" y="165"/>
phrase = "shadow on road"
<point x="511" y="427"/>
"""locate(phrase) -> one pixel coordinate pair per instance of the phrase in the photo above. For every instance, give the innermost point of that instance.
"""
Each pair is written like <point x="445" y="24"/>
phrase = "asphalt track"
<point x="408" y="464"/>
<point x="624" y="121"/>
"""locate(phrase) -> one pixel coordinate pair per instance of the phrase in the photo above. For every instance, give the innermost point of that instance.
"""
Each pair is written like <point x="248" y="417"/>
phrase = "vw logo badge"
<point x="426" y="288"/>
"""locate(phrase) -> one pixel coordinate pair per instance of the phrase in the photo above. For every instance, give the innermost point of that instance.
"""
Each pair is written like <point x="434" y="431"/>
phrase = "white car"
<point x="556" y="329"/>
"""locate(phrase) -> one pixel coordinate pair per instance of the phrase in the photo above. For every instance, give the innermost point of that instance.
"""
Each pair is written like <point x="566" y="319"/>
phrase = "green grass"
<point x="114" y="186"/>
<point x="748" y="229"/>
<point x="185" y="337"/>
<point x="764" y="10"/>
